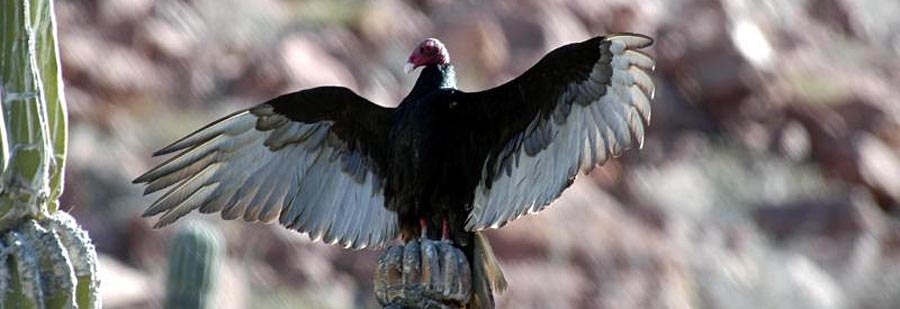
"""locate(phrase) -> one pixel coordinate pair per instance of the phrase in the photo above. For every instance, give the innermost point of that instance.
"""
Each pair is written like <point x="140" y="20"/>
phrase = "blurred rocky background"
<point x="770" y="177"/>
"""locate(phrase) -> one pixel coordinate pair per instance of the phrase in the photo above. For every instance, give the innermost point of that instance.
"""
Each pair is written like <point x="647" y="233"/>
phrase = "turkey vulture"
<point x="443" y="164"/>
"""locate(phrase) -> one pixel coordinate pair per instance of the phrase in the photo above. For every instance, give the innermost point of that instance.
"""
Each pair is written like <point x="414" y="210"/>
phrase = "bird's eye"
<point x="422" y="49"/>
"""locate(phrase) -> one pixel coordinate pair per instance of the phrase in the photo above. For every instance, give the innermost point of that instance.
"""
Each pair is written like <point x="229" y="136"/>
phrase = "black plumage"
<point x="444" y="164"/>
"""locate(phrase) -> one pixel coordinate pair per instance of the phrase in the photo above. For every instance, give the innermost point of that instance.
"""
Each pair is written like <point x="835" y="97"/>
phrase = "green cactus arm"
<point x="24" y="275"/>
<point x="46" y="259"/>
<point x="55" y="267"/>
<point x="31" y="102"/>
<point x="47" y="54"/>
<point x="4" y="150"/>
<point x="5" y="275"/>
<point x="20" y="100"/>
<point x="83" y="257"/>
<point x="48" y="264"/>
<point x="193" y="266"/>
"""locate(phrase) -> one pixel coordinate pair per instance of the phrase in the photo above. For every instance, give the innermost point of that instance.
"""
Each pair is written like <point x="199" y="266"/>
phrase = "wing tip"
<point x="176" y="145"/>
<point x="630" y="39"/>
<point x="165" y="150"/>
<point x="167" y="220"/>
<point x="153" y="189"/>
<point x="140" y="179"/>
<point x="152" y="211"/>
<point x="196" y="137"/>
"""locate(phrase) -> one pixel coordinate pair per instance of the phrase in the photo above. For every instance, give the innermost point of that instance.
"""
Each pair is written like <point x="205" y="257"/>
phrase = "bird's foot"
<point x="423" y="224"/>
<point x="445" y="230"/>
<point x="423" y="274"/>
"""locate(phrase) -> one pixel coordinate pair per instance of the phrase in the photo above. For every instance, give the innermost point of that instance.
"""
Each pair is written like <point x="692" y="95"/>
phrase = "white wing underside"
<point x="580" y="137"/>
<point x="260" y="167"/>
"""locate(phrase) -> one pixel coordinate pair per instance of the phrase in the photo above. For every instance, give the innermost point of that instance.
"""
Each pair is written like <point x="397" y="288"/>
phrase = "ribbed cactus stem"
<point x="46" y="260"/>
<point x="83" y="258"/>
<point x="57" y="274"/>
<point x="49" y="264"/>
<point x="24" y="278"/>
<point x="193" y="267"/>
<point x="423" y="273"/>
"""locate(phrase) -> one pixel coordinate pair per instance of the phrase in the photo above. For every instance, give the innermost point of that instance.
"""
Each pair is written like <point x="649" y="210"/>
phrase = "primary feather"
<point x="329" y="163"/>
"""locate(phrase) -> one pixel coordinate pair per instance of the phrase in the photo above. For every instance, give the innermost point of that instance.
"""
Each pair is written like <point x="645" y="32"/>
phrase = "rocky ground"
<point x="770" y="177"/>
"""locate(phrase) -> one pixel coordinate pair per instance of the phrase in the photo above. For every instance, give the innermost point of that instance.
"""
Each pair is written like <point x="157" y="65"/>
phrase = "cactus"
<point x="423" y="274"/>
<point x="193" y="267"/>
<point x="46" y="259"/>
<point x="48" y="264"/>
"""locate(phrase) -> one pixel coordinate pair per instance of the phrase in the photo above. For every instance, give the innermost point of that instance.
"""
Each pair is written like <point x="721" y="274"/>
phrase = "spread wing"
<point x="312" y="159"/>
<point x="581" y="104"/>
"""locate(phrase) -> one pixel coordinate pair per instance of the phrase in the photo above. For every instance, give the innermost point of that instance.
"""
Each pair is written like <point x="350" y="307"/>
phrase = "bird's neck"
<point x="433" y="77"/>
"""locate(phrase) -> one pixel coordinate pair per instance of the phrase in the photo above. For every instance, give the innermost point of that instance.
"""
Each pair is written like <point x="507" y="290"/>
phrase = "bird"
<point x="444" y="164"/>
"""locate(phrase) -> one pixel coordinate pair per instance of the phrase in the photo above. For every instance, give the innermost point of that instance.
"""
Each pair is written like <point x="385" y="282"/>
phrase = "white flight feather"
<point x="288" y="172"/>
<point x="587" y="136"/>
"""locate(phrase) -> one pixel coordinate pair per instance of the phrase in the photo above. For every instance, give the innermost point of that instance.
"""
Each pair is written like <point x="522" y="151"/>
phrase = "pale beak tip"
<point x="409" y="67"/>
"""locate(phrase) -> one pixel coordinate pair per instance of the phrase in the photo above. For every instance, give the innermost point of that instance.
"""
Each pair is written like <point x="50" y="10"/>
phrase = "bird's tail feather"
<point x="486" y="274"/>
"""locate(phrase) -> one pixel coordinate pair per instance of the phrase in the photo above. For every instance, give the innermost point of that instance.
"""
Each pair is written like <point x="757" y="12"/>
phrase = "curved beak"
<point x="409" y="67"/>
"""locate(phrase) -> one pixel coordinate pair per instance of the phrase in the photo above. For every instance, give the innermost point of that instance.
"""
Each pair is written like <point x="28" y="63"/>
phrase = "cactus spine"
<point x="46" y="259"/>
<point x="193" y="267"/>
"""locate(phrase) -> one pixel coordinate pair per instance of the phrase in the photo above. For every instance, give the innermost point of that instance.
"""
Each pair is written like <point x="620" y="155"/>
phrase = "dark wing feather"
<point x="313" y="159"/>
<point x="579" y="105"/>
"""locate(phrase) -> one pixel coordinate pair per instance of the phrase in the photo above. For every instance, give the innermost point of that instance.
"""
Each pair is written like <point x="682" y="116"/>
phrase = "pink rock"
<point x="307" y="65"/>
